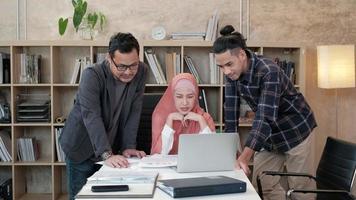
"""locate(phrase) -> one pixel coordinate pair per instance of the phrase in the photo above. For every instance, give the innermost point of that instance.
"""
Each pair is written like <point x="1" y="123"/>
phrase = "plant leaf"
<point x="77" y="18"/>
<point x="92" y="19"/>
<point x="74" y="3"/>
<point x="102" y="20"/>
<point x="62" y="25"/>
<point x="84" y="7"/>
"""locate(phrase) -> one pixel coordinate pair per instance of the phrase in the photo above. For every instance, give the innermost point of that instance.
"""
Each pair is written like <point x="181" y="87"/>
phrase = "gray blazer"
<point x="85" y="134"/>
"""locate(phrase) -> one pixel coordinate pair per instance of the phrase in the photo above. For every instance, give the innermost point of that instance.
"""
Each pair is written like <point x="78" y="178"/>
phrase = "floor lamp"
<point x="336" y="69"/>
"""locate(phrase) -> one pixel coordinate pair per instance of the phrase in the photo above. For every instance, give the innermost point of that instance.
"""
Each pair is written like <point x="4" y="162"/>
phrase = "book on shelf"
<point x="202" y="100"/>
<point x="79" y="67"/>
<point x="30" y="68"/>
<point x="141" y="184"/>
<point x="155" y="66"/>
<point x="60" y="154"/>
<point x="6" y="186"/>
<point x="214" y="69"/>
<point x="5" y="146"/>
<point x="27" y="149"/>
<point x="4" y="68"/>
<point x="171" y="65"/>
<point x="192" y="69"/>
<point x="212" y="28"/>
<point x="188" y="36"/>
<point x="200" y="186"/>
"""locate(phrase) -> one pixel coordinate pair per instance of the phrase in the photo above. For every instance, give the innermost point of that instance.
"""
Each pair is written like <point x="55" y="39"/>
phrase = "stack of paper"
<point x="141" y="184"/>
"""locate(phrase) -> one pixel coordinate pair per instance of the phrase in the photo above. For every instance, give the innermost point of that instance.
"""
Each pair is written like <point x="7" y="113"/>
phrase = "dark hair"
<point x="229" y="40"/>
<point x="124" y="42"/>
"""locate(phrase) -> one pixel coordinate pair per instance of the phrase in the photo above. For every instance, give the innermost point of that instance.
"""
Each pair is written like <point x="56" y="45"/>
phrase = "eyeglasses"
<point x="122" y="67"/>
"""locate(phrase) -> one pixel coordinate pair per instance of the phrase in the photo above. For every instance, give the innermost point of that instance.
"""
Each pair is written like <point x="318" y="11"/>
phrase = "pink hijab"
<point x="166" y="106"/>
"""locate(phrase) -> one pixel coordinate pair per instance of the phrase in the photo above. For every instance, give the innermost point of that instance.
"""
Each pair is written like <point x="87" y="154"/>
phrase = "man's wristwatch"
<point x="106" y="155"/>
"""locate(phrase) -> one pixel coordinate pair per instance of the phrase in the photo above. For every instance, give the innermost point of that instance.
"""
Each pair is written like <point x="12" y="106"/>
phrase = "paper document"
<point x="141" y="184"/>
<point x="158" y="160"/>
<point x="122" y="177"/>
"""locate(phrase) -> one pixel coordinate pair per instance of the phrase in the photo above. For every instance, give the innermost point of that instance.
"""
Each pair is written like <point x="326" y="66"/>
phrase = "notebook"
<point x="212" y="185"/>
<point x="207" y="152"/>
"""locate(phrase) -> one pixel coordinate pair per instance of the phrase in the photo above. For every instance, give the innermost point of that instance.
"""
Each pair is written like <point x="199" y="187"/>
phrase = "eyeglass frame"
<point x="123" y="67"/>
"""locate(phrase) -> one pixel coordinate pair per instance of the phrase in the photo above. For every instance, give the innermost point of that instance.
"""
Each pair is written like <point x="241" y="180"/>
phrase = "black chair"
<point x="335" y="174"/>
<point x="144" y="134"/>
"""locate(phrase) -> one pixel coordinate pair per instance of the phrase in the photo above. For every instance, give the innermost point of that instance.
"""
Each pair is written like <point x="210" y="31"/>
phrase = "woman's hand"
<point x="196" y="117"/>
<point x="175" y="116"/>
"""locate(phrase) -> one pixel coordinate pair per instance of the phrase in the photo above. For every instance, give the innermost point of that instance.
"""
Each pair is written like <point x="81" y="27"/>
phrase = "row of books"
<point x="192" y="69"/>
<point x="212" y="28"/>
<point x="5" y="146"/>
<point x="173" y="65"/>
<point x="210" y="34"/>
<point x="155" y="66"/>
<point x="60" y="154"/>
<point x="214" y="70"/>
<point x="4" y="68"/>
<point x="79" y="66"/>
<point x="30" y="68"/>
<point x="28" y="149"/>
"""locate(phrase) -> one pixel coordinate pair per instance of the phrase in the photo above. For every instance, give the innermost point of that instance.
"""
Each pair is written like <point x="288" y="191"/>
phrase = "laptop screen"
<point x="207" y="152"/>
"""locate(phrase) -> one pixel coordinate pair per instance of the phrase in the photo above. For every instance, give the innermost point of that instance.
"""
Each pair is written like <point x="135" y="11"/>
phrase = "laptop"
<point x="207" y="152"/>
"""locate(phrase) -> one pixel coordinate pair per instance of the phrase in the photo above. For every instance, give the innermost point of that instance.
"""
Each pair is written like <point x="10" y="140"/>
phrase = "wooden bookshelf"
<point x="46" y="177"/>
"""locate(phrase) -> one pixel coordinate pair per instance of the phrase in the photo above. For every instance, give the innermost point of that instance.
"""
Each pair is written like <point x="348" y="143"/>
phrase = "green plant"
<point x="80" y="16"/>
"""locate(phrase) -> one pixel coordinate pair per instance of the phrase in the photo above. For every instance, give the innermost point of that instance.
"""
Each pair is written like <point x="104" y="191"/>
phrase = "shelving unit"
<point x="46" y="177"/>
<point x="199" y="52"/>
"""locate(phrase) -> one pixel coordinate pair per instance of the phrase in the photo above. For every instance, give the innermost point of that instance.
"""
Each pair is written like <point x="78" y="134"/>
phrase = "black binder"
<point x="5" y="188"/>
<point x="212" y="185"/>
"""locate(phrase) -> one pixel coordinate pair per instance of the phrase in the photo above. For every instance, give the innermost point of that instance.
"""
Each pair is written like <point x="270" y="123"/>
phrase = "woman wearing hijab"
<point x="178" y="112"/>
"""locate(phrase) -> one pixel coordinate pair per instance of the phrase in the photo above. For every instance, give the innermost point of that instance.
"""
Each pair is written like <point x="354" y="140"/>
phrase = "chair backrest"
<point x="144" y="134"/>
<point x="337" y="165"/>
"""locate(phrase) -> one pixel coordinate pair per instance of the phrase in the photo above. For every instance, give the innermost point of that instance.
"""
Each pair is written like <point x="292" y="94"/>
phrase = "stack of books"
<point x="188" y="36"/>
<point x="60" y="154"/>
<point x="5" y="146"/>
<point x="189" y="61"/>
<point x="28" y="149"/>
<point x="173" y="66"/>
<point x="155" y="66"/>
<point x="30" y="68"/>
<point x="212" y="28"/>
<point x="80" y="65"/>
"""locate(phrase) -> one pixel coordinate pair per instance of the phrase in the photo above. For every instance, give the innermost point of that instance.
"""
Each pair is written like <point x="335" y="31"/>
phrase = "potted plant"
<point x="83" y="22"/>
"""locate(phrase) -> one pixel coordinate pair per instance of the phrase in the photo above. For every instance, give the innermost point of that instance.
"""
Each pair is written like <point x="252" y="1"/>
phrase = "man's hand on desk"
<point x="244" y="159"/>
<point x="117" y="161"/>
<point x="133" y="152"/>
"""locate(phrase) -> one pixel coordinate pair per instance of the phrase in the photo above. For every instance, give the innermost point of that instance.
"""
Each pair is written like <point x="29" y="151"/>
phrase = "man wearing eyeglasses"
<point x="104" y="121"/>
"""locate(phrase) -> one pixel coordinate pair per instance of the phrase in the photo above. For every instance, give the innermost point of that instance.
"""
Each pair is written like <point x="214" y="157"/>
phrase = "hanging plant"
<point x="82" y="19"/>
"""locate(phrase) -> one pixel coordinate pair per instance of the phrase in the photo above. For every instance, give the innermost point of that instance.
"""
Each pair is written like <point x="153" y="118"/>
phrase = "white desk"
<point x="170" y="173"/>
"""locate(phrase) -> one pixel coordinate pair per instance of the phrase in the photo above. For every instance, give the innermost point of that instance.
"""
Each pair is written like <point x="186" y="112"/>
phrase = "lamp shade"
<point x="336" y="66"/>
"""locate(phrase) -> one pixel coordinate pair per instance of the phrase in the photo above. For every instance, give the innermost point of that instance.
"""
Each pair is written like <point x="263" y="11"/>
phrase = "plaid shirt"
<point x="283" y="117"/>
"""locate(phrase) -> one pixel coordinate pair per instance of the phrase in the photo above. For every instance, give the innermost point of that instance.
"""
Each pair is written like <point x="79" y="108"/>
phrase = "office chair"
<point x="335" y="174"/>
<point x="144" y="133"/>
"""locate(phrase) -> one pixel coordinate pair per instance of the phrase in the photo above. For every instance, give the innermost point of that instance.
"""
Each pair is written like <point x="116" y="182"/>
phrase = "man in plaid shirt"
<point x="283" y="123"/>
